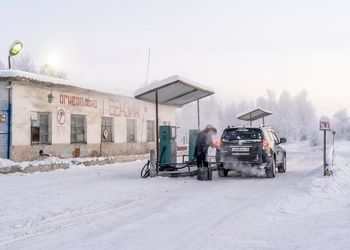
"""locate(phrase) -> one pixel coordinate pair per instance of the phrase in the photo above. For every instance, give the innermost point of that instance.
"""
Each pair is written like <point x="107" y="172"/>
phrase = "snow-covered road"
<point x="110" y="207"/>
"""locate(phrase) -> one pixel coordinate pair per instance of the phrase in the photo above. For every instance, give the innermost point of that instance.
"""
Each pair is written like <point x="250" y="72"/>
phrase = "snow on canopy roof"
<point x="18" y="74"/>
<point x="254" y="114"/>
<point x="174" y="90"/>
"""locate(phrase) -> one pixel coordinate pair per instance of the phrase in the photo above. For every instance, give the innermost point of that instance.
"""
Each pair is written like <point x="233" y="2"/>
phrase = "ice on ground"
<point x="110" y="207"/>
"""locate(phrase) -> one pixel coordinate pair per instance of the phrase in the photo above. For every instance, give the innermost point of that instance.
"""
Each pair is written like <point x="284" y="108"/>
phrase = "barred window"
<point x="77" y="126"/>
<point x="107" y="129"/>
<point x="150" y="130"/>
<point x="131" y="130"/>
<point x="40" y="128"/>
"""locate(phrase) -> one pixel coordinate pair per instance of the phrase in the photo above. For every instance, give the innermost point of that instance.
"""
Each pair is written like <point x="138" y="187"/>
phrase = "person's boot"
<point x="202" y="174"/>
<point x="210" y="174"/>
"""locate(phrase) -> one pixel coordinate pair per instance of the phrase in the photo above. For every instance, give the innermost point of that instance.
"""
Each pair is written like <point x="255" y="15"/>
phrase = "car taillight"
<point x="265" y="144"/>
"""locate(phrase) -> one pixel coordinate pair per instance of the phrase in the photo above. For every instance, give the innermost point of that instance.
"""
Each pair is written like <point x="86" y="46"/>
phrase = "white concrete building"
<point x="60" y="118"/>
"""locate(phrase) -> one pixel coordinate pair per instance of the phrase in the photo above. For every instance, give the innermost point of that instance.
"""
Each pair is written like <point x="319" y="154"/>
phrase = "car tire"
<point x="271" y="169"/>
<point x="283" y="167"/>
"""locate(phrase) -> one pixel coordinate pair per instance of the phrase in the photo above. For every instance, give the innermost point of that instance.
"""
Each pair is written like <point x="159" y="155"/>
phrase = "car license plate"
<point x="240" y="149"/>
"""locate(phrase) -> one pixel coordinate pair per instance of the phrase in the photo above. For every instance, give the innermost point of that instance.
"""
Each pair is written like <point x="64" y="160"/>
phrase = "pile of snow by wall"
<point x="53" y="163"/>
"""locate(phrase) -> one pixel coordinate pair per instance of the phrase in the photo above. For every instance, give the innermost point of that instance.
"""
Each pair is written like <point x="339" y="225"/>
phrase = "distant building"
<point x="57" y="117"/>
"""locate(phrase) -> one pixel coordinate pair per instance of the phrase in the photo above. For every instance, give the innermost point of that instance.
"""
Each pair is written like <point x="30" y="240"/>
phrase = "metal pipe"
<point x="198" y="116"/>
<point x="9" y="122"/>
<point x="149" y="56"/>
<point x="324" y="153"/>
<point x="157" y="133"/>
<point x="9" y="115"/>
<point x="9" y="61"/>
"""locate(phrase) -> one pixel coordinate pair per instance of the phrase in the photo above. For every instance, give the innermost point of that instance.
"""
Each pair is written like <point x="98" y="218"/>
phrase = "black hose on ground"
<point x="146" y="170"/>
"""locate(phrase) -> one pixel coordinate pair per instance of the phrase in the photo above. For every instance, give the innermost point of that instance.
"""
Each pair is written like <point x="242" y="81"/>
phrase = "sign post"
<point x="325" y="125"/>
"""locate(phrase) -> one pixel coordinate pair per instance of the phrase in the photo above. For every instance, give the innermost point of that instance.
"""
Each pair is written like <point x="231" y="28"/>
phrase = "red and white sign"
<point x="105" y="134"/>
<point x="325" y="125"/>
<point x="61" y="116"/>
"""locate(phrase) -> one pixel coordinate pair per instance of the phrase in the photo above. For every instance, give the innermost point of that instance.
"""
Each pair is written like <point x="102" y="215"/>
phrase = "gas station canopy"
<point x="254" y="115"/>
<point x="174" y="91"/>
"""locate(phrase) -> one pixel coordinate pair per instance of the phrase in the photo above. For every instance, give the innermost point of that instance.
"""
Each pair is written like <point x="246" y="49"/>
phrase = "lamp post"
<point x="14" y="50"/>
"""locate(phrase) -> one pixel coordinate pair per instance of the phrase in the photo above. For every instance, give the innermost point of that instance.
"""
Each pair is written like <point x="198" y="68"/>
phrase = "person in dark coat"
<point x="203" y="142"/>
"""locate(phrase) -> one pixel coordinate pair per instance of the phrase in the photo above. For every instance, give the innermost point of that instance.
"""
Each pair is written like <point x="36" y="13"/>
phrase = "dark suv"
<point x="246" y="147"/>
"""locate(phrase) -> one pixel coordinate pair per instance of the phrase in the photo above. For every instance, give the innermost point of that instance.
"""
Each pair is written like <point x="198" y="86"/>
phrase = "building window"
<point x="150" y="130"/>
<point x="131" y="130"/>
<point x="40" y="128"/>
<point x="77" y="129"/>
<point x="107" y="129"/>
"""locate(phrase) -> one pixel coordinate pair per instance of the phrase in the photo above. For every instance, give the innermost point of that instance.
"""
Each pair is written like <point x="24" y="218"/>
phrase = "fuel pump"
<point x="167" y="146"/>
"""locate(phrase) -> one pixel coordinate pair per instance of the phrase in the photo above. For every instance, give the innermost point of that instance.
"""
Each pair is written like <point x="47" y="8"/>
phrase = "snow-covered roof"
<point x="174" y="90"/>
<point x="18" y="74"/>
<point x="253" y="114"/>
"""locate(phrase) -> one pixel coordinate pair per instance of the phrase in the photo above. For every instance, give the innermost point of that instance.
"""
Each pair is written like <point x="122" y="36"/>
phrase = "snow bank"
<point x="324" y="193"/>
<point x="5" y="163"/>
<point x="293" y="147"/>
<point x="53" y="163"/>
<point x="338" y="184"/>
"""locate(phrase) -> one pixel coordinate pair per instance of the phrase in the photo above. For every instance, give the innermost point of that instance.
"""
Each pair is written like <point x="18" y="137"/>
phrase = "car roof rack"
<point x="253" y="115"/>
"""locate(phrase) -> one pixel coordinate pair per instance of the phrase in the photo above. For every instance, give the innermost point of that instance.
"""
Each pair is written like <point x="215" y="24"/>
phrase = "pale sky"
<point x="239" y="48"/>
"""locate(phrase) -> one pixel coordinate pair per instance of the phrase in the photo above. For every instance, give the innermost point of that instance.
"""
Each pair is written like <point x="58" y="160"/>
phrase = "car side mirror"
<point x="283" y="140"/>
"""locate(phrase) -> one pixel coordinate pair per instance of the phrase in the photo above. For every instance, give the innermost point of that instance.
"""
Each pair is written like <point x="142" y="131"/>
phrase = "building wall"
<point x="29" y="98"/>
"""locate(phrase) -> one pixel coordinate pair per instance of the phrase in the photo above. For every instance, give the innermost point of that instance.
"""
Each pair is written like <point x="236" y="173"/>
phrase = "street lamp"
<point x="15" y="48"/>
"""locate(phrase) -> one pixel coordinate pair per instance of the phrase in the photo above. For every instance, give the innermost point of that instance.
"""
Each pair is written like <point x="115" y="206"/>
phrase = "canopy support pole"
<point x="198" y="116"/>
<point x="157" y="133"/>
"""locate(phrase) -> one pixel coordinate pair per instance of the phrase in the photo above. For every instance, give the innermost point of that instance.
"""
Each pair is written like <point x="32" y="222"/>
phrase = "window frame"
<point x="49" y="129"/>
<point x="127" y="131"/>
<point x="84" y="141"/>
<point x="153" y="129"/>
<point x="111" y="131"/>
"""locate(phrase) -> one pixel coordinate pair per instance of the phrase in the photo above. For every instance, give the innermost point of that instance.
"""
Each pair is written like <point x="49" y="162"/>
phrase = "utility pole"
<point x="198" y="116"/>
<point x="324" y="152"/>
<point x="148" y="60"/>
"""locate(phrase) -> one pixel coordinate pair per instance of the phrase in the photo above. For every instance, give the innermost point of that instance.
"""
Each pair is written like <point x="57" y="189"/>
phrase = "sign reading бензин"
<point x="117" y="108"/>
<point x="77" y="101"/>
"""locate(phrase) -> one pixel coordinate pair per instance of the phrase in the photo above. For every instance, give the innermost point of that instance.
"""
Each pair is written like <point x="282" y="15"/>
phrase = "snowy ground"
<point x="110" y="207"/>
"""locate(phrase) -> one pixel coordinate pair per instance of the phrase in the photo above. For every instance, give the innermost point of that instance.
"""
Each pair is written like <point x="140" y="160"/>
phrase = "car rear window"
<point x="242" y="134"/>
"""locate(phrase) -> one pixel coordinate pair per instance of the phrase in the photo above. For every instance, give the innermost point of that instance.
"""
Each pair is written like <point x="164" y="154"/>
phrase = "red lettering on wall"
<point x="117" y="108"/>
<point x="77" y="101"/>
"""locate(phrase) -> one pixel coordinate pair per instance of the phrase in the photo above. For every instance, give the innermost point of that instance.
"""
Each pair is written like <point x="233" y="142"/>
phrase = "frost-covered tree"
<point x="305" y="116"/>
<point x="24" y="62"/>
<point x="2" y="66"/>
<point x="52" y="71"/>
<point x="269" y="102"/>
<point x="285" y="111"/>
<point x="341" y="124"/>
<point x="293" y="116"/>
